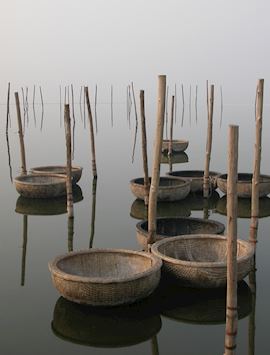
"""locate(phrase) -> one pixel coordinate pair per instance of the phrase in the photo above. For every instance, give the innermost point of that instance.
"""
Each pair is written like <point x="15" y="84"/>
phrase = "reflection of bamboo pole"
<point x="22" y="149"/>
<point x="25" y="228"/>
<point x="171" y="128"/>
<point x="206" y="183"/>
<point x="92" y="136"/>
<point x="152" y="208"/>
<point x="154" y="345"/>
<point x="252" y="318"/>
<point x="257" y="164"/>
<point x="68" y="169"/>
<point x="144" y="149"/>
<point x="93" y="214"/>
<point x="70" y="233"/>
<point x="231" y="304"/>
<point x="136" y="118"/>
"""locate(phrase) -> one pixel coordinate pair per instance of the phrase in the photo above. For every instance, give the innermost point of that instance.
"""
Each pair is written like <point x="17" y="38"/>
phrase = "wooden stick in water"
<point x="70" y="233"/>
<point x="257" y="164"/>
<point x="175" y="102"/>
<point x="92" y="136"/>
<point x="144" y="149"/>
<point x="20" y="131"/>
<point x="136" y="118"/>
<point x="166" y="112"/>
<point x="24" y="247"/>
<point x="171" y="128"/>
<point x="206" y="183"/>
<point x="68" y="171"/>
<point x="8" y="110"/>
<point x="183" y="104"/>
<point x="231" y="304"/>
<point x="152" y="208"/>
<point x="93" y="214"/>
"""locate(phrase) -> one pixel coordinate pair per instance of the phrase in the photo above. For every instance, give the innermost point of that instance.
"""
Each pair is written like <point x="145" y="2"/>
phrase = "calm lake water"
<point x="35" y="320"/>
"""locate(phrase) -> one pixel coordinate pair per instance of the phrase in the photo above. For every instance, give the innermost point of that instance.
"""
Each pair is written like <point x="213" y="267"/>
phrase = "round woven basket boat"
<point x="104" y="327"/>
<point x="46" y="206"/>
<point x="178" y="145"/>
<point x="40" y="186"/>
<point x="76" y="171"/>
<point x="201" y="260"/>
<point x="169" y="227"/>
<point x="244" y="207"/>
<point x="176" y="158"/>
<point x="203" y="306"/>
<point x="196" y="178"/>
<point x="170" y="189"/>
<point x="105" y="277"/>
<point x="244" y="185"/>
<point x="170" y="209"/>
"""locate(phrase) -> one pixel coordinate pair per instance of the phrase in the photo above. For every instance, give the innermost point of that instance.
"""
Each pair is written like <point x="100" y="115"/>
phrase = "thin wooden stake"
<point x="231" y="304"/>
<point x="92" y="136"/>
<point x="152" y="208"/>
<point x="183" y="105"/>
<point x="24" y="247"/>
<point x="144" y="149"/>
<point x="93" y="214"/>
<point x="190" y="105"/>
<point x="136" y="118"/>
<point x="96" y="92"/>
<point x="70" y="233"/>
<point x="20" y="131"/>
<point x="74" y="122"/>
<point x="68" y="172"/>
<point x="8" y="109"/>
<point x="196" y="104"/>
<point x="206" y="183"/>
<point x="171" y="127"/>
<point x="257" y="164"/>
<point x="175" y="102"/>
<point x="252" y="316"/>
<point x="166" y="112"/>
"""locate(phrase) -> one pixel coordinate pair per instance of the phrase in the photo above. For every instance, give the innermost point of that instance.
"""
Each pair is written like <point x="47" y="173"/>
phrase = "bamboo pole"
<point x="196" y="104"/>
<point x="171" y="128"/>
<point x="96" y="92"/>
<point x="136" y="118"/>
<point x="189" y="105"/>
<point x="92" y="136"/>
<point x="74" y="122"/>
<point x="25" y="232"/>
<point x="20" y="131"/>
<point x="257" y="164"/>
<point x="206" y="182"/>
<point x="183" y="105"/>
<point x="175" y="102"/>
<point x="231" y="304"/>
<point x="152" y="207"/>
<point x="8" y="108"/>
<point x="252" y="316"/>
<point x="166" y="112"/>
<point x="68" y="171"/>
<point x="154" y="346"/>
<point x="70" y="233"/>
<point x="93" y="214"/>
<point x="144" y="149"/>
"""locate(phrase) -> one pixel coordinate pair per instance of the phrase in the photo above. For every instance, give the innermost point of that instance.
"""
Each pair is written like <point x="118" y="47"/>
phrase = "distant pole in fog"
<point x="20" y="131"/>
<point x="183" y="104"/>
<point x="92" y="135"/>
<point x="112" y="105"/>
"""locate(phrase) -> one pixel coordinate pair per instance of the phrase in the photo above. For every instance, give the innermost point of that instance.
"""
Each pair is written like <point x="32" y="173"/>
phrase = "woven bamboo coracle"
<point x="178" y="145"/>
<point x="76" y="171"/>
<point x="105" y="277"/>
<point x="201" y="260"/>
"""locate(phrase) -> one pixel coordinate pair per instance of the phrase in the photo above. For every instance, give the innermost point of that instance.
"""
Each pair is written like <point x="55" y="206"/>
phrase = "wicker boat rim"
<point x="211" y="174"/>
<point x="217" y="264"/>
<point x="60" y="178"/>
<point x="201" y="220"/>
<point x="53" y="267"/>
<point x="184" y="182"/>
<point x="266" y="177"/>
<point x="74" y="167"/>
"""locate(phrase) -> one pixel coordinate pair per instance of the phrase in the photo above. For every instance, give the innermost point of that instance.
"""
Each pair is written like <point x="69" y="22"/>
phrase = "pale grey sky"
<point x="62" y="41"/>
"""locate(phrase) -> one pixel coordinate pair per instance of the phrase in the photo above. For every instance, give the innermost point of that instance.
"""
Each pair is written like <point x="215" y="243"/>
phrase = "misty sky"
<point x="78" y="41"/>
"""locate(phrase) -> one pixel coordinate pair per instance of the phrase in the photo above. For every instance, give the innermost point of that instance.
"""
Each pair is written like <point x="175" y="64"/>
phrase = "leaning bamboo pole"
<point x="257" y="164"/>
<point x="8" y="110"/>
<point x="144" y="149"/>
<point x="68" y="171"/>
<point x="92" y="136"/>
<point x="20" y="131"/>
<point x="231" y="299"/>
<point x="171" y="127"/>
<point x="206" y="183"/>
<point x="152" y="207"/>
<point x="93" y="214"/>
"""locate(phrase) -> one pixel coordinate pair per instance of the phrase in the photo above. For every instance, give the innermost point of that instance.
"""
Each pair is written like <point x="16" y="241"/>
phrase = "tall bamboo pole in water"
<point x="257" y="164"/>
<point x="252" y="316"/>
<point x="206" y="183"/>
<point x="92" y="136"/>
<point x="70" y="233"/>
<point x="68" y="171"/>
<point x="8" y="111"/>
<point x="152" y="208"/>
<point x="93" y="214"/>
<point x="171" y="128"/>
<point x="20" y="131"/>
<point x="144" y="149"/>
<point x="231" y="304"/>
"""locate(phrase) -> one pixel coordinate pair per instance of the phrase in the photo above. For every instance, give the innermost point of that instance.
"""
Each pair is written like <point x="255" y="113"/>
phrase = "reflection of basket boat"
<point x="201" y="260"/>
<point x="196" y="201"/>
<point x="170" y="209"/>
<point x="176" y="158"/>
<point x="104" y="327"/>
<point x="196" y="178"/>
<point x="170" y="227"/>
<point x="203" y="306"/>
<point x="244" y="207"/>
<point x="105" y="277"/>
<point x="178" y="145"/>
<point x="170" y="189"/>
<point x="244" y="185"/>
<point x="40" y="186"/>
<point x="76" y="171"/>
<point x="46" y="207"/>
